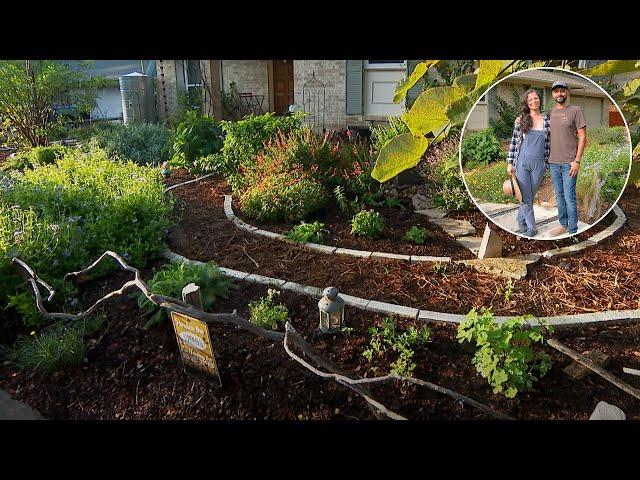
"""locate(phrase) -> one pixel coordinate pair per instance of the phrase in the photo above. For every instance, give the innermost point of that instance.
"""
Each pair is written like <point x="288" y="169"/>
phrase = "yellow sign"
<point x="195" y="345"/>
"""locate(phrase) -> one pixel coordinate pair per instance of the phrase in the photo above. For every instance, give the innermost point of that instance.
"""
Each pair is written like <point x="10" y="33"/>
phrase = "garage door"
<point x="593" y="110"/>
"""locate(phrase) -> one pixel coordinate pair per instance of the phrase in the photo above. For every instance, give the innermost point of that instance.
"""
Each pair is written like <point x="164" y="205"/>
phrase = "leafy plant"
<point x="607" y="135"/>
<point x="34" y="157"/>
<point x="441" y="268"/>
<point x="341" y="198"/>
<point x="367" y="223"/>
<point x="481" y="147"/>
<point x="380" y="135"/>
<point x="507" y="112"/>
<point x="144" y="143"/>
<point x="172" y="278"/>
<point x="196" y="136"/>
<point x="265" y="314"/>
<point x="24" y="303"/>
<point x="504" y="354"/>
<point x="508" y="290"/>
<point x="416" y="234"/>
<point x="306" y="232"/>
<point x="451" y="192"/>
<point x="388" y="337"/>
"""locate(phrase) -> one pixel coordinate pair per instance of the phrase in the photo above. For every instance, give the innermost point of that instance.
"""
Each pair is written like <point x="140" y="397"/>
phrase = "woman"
<point x="528" y="157"/>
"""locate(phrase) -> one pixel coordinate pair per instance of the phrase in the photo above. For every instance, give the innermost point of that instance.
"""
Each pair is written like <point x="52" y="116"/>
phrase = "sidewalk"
<point x="11" y="409"/>
<point x="504" y="215"/>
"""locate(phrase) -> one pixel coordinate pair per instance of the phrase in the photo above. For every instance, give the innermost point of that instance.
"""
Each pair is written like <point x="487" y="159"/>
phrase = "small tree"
<point x="29" y="89"/>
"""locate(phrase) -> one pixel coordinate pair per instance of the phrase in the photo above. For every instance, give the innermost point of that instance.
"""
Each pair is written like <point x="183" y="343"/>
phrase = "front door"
<point x="282" y="85"/>
<point x="380" y="80"/>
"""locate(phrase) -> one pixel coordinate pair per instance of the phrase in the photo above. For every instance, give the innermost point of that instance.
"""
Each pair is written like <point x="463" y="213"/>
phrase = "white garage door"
<point x="592" y="109"/>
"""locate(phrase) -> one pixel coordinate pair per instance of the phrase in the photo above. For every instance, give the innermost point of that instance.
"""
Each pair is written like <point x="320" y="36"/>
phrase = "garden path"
<point x="11" y="409"/>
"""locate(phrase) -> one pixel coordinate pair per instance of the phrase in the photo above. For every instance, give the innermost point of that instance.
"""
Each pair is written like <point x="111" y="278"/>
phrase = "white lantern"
<point x="331" y="307"/>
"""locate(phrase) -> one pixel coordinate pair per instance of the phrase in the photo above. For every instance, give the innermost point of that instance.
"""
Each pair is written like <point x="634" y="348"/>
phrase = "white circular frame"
<point x="561" y="237"/>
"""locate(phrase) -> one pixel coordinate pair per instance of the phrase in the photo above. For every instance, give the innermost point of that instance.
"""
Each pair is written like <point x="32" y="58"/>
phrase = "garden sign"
<point x="195" y="347"/>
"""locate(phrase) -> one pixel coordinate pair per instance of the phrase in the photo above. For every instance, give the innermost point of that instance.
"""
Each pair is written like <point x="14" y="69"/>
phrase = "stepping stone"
<point x="515" y="268"/>
<point x="433" y="212"/>
<point x="606" y="411"/>
<point x="12" y="409"/>
<point x="472" y="243"/>
<point x="491" y="209"/>
<point x="421" y="201"/>
<point x="543" y="230"/>
<point x="491" y="246"/>
<point x="455" y="228"/>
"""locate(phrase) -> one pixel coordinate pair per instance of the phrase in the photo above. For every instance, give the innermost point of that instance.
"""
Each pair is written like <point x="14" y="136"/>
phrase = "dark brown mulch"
<point x="603" y="277"/>
<point x="134" y="373"/>
<point x="397" y="222"/>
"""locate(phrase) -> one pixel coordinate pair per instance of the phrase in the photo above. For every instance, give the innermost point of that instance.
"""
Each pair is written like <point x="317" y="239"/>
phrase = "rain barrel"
<point x="138" y="98"/>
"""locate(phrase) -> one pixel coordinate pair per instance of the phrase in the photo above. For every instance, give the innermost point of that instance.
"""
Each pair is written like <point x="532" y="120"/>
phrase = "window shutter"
<point x="354" y="87"/>
<point x="415" y="91"/>
<point x="180" y="66"/>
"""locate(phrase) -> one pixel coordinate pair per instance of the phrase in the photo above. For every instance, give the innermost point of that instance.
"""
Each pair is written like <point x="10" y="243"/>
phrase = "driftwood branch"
<point x="581" y="359"/>
<point x="349" y="382"/>
<point x="290" y="335"/>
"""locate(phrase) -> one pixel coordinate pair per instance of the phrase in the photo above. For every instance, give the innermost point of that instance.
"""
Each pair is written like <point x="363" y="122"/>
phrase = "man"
<point x="568" y="139"/>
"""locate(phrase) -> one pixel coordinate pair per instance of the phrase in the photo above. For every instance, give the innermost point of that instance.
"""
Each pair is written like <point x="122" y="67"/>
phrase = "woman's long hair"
<point x="526" y="122"/>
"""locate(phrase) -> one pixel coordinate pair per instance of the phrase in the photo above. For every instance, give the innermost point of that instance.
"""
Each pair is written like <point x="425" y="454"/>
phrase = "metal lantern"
<point x="331" y="307"/>
<point x="165" y="169"/>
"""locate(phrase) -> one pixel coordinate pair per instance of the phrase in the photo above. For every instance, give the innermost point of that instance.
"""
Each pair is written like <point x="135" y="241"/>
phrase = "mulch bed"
<point x="603" y="277"/>
<point x="134" y="373"/>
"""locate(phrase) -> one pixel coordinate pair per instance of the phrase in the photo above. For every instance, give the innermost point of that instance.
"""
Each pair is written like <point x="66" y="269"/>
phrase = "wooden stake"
<point x="191" y="295"/>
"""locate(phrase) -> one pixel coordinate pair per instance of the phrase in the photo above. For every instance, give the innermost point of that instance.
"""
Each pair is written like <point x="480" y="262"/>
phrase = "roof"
<point x="546" y="78"/>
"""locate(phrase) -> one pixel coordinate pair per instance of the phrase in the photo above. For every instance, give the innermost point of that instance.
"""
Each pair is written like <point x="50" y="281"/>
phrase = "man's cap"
<point x="559" y="83"/>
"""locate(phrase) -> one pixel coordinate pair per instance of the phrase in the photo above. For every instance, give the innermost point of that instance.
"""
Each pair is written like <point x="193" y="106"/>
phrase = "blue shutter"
<point x="415" y="91"/>
<point x="354" y="87"/>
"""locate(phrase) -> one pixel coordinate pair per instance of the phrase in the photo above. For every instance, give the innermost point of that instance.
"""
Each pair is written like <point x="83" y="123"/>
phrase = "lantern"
<point x="331" y="308"/>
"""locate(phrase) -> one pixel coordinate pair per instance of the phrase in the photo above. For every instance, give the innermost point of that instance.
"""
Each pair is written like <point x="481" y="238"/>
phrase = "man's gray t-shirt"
<point x="565" y="123"/>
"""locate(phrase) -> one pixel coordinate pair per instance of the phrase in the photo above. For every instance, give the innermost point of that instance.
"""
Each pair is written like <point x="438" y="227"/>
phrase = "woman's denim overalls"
<point x="529" y="171"/>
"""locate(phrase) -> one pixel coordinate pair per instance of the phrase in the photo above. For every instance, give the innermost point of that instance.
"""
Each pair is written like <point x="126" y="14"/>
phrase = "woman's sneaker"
<point x="522" y="229"/>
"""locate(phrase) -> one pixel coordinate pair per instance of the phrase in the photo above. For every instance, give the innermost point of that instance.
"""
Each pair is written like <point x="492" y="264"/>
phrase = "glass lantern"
<point x="331" y="307"/>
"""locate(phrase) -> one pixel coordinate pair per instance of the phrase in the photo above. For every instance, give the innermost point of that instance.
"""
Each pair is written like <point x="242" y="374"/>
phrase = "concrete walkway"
<point x="11" y="409"/>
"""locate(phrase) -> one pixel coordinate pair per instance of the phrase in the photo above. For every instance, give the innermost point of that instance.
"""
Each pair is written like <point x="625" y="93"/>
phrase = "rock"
<point x="472" y="243"/>
<point x="511" y="267"/>
<point x="606" y="411"/>
<point x="455" y="228"/>
<point x="433" y="212"/>
<point x="491" y="246"/>
<point x="419" y="201"/>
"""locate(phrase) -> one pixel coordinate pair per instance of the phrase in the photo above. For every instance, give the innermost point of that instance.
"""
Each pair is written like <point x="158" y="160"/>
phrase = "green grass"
<point x="485" y="183"/>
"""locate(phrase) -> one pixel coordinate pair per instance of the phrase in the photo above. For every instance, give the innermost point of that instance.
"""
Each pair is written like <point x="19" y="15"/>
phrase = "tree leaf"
<point x="489" y="70"/>
<point x="398" y="154"/>
<point x="457" y="111"/>
<point x="429" y="110"/>
<point x="611" y="67"/>
<point x="418" y="72"/>
<point x="466" y="82"/>
<point x="630" y="88"/>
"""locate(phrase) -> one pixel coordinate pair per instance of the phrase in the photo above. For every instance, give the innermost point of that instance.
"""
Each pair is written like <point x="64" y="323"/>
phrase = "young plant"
<point x="265" y="314"/>
<point x="394" y="203"/>
<point x="172" y="278"/>
<point x="25" y="305"/>
<point x="367" y="223"/>
<point x="416" y="234"/>
<point x="508" y="290"/>
<point x="307" y="232"/>
<point x="504" y="354"/>
<point x="341" y="198"/>
<point x="440" y="268"/>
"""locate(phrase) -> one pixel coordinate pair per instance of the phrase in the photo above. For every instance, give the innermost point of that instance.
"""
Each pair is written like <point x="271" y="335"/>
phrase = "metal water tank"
<point x="138" y="98"/>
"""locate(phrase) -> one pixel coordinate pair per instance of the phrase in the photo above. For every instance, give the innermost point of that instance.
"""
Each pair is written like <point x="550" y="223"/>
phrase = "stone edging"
<point x="228" y="211"/>
<point x="580" y="319"/>
<point x="557" y="252"/>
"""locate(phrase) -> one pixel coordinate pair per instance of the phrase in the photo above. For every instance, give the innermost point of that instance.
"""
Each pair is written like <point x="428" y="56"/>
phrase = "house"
<point x="336" y="93"/>
<point x="594" y="102"/>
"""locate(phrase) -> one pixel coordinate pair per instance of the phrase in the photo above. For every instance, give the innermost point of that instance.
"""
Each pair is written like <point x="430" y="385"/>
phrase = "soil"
<point x="133" y="373"/>
<point x="604" y="277"/>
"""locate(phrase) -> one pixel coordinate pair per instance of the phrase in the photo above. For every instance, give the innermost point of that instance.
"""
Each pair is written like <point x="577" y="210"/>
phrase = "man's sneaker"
<point x="559" y="230"/>
<point x="531" y="233"/>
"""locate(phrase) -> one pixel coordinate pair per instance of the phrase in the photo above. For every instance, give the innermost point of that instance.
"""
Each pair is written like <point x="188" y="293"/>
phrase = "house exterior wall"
<point x="108" y="104"/>
<point x="250" y="76"/>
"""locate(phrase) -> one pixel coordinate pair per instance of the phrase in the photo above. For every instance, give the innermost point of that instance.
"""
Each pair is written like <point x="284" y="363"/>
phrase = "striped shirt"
<point x="517" y="137"/>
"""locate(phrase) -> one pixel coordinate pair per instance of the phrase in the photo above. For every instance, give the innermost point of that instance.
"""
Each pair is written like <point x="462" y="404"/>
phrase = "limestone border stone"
<point x="410" y="312"/>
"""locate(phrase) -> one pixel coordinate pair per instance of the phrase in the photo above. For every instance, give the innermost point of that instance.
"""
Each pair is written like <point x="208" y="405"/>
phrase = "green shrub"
<point x="265" y="314"/>
<point x="173" y="277"/>
<point x="504" y="355"/>
<point x="607" y="135"/>
<point x="306" y="232"/>
<point x="34" y="157"/>
<point x="481" y="147"/>
<point x="380" y="135"/>
<point x="25" y="304"/>
<point x="451" y="192"/>
<point x="506" y="114"/>
<point x="367" y="223"/>
<point x="196" y="136"/>
<point x="142" y="143"/>
<point x="245" y="138"/>
<point x="402" y="343"/>
<point x="416" y="235"/>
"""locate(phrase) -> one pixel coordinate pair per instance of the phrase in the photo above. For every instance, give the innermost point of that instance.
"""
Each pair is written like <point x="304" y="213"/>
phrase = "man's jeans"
<point x="565" y="187"/>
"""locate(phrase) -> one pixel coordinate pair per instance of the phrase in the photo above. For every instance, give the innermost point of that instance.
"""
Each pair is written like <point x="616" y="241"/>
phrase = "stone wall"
<point x="250" y="76"/>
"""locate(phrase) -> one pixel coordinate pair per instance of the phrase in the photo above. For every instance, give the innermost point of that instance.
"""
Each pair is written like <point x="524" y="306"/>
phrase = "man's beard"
<point x="561" y="99"/>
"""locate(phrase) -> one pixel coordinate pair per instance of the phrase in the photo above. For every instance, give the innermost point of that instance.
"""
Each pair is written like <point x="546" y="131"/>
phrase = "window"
<point x="193" y="83"/>
<point x="385" y="64"/>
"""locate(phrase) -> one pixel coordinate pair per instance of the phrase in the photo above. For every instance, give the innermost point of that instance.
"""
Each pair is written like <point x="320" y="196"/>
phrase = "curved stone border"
<point x="228" y="211"/>
<point x="580" y="319"/>
<point x="593" y="240"/>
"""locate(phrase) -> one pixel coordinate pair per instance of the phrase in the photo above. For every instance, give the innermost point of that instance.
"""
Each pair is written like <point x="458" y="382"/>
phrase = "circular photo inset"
<point x="545" y="153"/>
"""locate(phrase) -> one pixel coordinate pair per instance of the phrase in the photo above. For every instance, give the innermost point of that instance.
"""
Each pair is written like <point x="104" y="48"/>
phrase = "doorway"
<point x="282" y="86"/>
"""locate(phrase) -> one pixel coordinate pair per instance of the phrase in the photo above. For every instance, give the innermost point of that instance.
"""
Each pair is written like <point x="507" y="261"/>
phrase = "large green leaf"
<point x="457" y="111"/>
<point x="418" y="72"/>
<point x="398" y="154"/>
<point x="611" y="67"/>
<point x="429" y="110"/>
<point x="465" y="82"/>
<point x="489" y="70"/>
<point x="634" y="176"/>
<point x="630" y="88"/>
